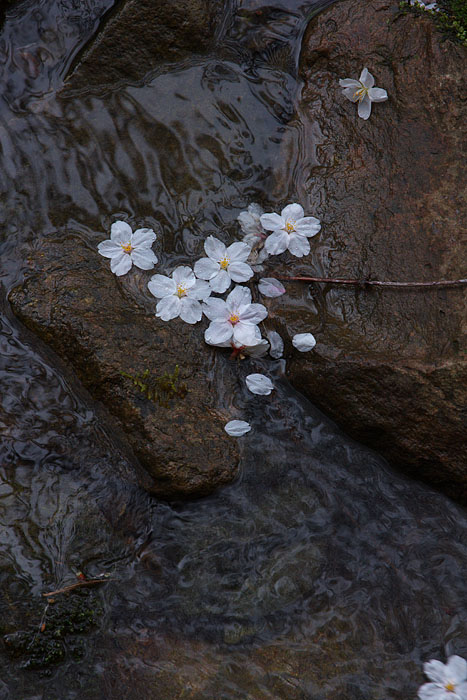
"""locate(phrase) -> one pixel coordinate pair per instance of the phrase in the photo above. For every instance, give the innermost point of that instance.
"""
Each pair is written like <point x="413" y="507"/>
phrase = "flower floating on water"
<point x="223" y="264"/>
<point x="259" y="384"/>
<point x="179" y="295"/>
<point x="363" y="92"/>
<point x="449" y="681"/>
<point x="237" y="428"/>
<point x="270" y="287"/>
<point x="125" y="248"/>
<point x="235" y="318"/>
<point x="290" y="231"/>
<point x="304" y="342"/>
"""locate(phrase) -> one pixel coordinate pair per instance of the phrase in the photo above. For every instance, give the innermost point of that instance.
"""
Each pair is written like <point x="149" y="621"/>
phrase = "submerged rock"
<point x="173" y="420"/>
<point x="389" y="364"/>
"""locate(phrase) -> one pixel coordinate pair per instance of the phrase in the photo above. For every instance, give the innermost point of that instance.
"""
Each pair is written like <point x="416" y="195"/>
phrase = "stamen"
<point x="450" y="687"/>
<point x="360" y="93"/>
<point x="181" y="291"/>
<point x="289" y="227"/>
<point x="224" y="263"/>
<point x="127" y="248"/>
<point x="234" y="319"/>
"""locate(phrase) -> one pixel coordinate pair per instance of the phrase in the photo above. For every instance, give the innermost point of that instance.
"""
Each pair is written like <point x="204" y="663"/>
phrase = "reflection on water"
<point x="318" y="574"/>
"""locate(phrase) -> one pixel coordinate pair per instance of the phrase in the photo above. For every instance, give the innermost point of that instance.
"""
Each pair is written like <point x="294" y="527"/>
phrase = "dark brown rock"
<point x="139" y="35"/>
<point x="390" y="364"/>
<point x="102" y="326"/>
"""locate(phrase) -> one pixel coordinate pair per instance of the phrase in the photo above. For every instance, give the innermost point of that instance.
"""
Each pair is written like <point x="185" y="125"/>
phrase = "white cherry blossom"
<point x="179" y="295"/>
<point x="125" y="248"/>
<point x="259" y="384"/>
<point x="223" y="264"/>
<point x="235" y="318"/>
<point x="270" y="287"/>
<point x="363" y="92"/>
<point x="449" y="681"/>
<point x="304" y="342"/>
<point x="237" y="428"/>
<point x="290" y="231"/>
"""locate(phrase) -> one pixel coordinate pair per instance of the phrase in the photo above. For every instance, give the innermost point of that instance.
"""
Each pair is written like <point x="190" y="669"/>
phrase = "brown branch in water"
<point x="376" y="283"/>
<point x="78" y="584"/>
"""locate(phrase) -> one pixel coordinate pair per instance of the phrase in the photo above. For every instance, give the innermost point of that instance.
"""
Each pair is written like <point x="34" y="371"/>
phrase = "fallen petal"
<point x="304" y="342"/>
<point x="237" y="428"/>
<point x="259" y="384"/>
<point x="270" y="287"/>
<point x="277" y="345"/>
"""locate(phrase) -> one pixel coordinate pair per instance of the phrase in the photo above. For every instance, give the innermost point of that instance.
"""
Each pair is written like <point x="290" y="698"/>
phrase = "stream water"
<point x="320" y="573"/>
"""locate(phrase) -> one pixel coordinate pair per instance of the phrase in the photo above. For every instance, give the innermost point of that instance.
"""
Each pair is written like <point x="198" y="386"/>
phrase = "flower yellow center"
<point x="127" y="248"/>
<point x="289" y="227"/>
<point x="234" y="319"/>
<point x="224" y="263"/>
<point x="360" y="94"/>
<point x="450" y="687"/>
<point x="181" y="291"/>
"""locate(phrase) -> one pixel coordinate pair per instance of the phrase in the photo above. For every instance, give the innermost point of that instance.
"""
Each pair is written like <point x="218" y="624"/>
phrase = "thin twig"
<point x="78" y="584"/>
<point x="376" y="283"/>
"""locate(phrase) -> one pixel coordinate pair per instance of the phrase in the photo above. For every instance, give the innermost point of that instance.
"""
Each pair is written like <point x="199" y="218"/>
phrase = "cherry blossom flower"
<point x="277" y="344"/>
<point x="237" y="428"/>
<point x="258" y="349"/>
<point x="270" y="287"/>
<point x="179" y="295"/>
<point x="259" y="384"/>
<point x="363" y="92"/>
<point x="235" y="318"/>
<point x="449" y="681"/>
<point x="223" y="264"/>
<point x="125" y="248"/>
<point x="425" y="5"/>
<point x="304" y="342"/>
<point x="290" y="231"/>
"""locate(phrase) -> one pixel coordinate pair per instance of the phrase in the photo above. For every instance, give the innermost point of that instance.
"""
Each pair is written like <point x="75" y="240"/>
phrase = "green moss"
<point x="451" y="18"/>
<point x="158" y="389"/>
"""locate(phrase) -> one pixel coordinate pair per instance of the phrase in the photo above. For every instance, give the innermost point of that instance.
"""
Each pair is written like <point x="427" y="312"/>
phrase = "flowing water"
<point x="320" y="573"/>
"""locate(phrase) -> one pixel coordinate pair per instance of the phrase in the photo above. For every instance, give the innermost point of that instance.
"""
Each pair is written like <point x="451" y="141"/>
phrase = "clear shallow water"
<point x="320" y="573"/>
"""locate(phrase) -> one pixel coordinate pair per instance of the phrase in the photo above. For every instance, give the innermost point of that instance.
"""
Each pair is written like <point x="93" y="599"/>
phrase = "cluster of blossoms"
<point x="187" y="293"/>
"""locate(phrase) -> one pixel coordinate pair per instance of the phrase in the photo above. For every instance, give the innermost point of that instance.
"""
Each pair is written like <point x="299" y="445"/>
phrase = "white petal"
<point x="239" y="296"/>
<point x="205" y="268"/>
<point x="277" y="345"/>
<point x="308" y="226"/>
<point x="298" y="245"/>
<point x="292" y="212"/>
<point x="244" y="333"/>
<point x="304" y="342"/>
<point x="238" y="252"/>
<point x="184" y="275"/>
<point x="272" y="222"/>
<point x="220" y="282"/>
<point x="121" y="264"/>
<point x="377" y="95"/>
<point x="143" y="237"/>
<point x="456" y="669"/>
<point x="120" y="232"/>
<point x="190" y="310"/>
<point x="214" y="248"/>
<point x="240" y="271"/>
<point x="257" y="350"/>
<point x="259" y="384"/>
<point x="144" y="258"/>
<point x="435" y="670"/>
<point x="364" y="108"/>
<point x="253" y="313"/>
<point x="161" y="286"/>
<point x="218" y="332"/>
<point x="430" y="691"/>
<point x="366" y="78"/>
<point x="276" y="242"/>
<point x="349" y="82"/>
<point x="351" y="93"/>
<point x="270" y="287"/>
<point x="461" y="690"/>
<point x="237" y="428"/>
<point x="109" y="249"/>
<point x="216" y="309"/>
<point x="168" y="308"/>
<point x="201" y="290"/>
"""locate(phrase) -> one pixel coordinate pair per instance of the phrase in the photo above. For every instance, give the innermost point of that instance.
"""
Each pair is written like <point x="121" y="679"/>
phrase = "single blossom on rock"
<point x="125" y="248"/>
<point x="259" y="384"/>
<point x="235" y="318"/>
<point x="363" y="92"/>
<point x="304" y="342"/>
<point x="290" y="231"/>
<point x="277" y="345"/>
<point x="270" y="287"/>
<point x="223" y="264"/>
<point x="179" y="295"/>
<point x="237" y="428"/>
<point x="449" y="681"/>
